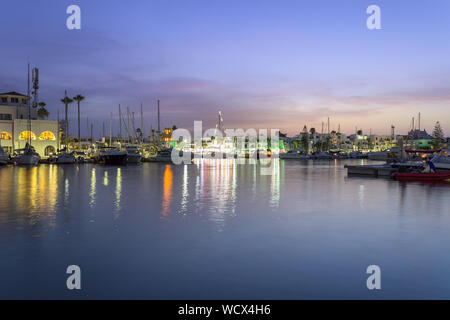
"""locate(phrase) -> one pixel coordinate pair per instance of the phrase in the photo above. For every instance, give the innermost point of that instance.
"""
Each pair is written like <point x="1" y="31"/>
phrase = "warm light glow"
<point x="5" y="136"/>
<point x="26" y="135"/>
<point x="47" y="135"/>
<point x="167" y="190"/>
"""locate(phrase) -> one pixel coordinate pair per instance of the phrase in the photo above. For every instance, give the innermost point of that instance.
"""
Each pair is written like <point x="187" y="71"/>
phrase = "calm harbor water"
<point x="217" y="229"/>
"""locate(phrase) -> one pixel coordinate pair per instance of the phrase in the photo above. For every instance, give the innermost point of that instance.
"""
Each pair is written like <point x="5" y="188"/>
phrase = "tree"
<point x="66" y="100"/>
<point x="359" y="132"/>
<point x="174" y="128"/>
<point x="312" y="131"/>
<point x="304" y="140"/>
<point x="78" y="98"/>
<point x="139" y="132"/>
<point x="438" y="136"/>
<point x="42" y="112"/>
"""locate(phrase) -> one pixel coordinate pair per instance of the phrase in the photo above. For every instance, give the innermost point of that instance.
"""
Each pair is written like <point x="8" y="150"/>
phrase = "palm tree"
<point x="66" y="100"/>
<point x="42" y="112"/>
<point x="78" y="99"/>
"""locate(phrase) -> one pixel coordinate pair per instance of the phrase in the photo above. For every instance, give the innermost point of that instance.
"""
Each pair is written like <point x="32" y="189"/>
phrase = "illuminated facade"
<point x="166" y="138"/>
<point x="14" y="130"/>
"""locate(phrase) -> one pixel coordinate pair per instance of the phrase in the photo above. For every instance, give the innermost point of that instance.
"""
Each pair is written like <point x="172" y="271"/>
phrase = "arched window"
<point x="5" y="136"/>
<point x="25" y="135"/>
<point x="49" y="150"/>
<point x="47" y="135"/>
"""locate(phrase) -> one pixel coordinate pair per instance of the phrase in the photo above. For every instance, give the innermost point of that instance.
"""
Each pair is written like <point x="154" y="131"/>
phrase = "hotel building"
<point x="14" y="130"/>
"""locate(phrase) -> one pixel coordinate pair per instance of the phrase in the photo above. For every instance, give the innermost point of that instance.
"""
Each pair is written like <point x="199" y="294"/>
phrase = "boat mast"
<point x="110" y="130"/>
<point x="134" y="129"/>
<point x="128" y="127"/>
<point x="142" y="124"/>
<point x="29" y="105"/>
<point x="120" y="123"/>
<point x="59" y="128"/>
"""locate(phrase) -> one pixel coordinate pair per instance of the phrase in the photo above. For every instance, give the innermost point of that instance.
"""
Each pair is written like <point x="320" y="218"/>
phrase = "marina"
<point x="229" y="156"/>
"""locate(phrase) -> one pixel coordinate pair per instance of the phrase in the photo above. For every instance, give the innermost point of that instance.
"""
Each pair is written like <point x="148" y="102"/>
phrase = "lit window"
<point x="26" y="135"/>
<point x="47" y="135"/>
<point x="5" y="136"/>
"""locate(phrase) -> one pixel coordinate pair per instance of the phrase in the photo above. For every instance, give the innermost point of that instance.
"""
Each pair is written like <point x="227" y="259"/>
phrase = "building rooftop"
<point x="420" y="135"/>
<point x="13" y="93"/>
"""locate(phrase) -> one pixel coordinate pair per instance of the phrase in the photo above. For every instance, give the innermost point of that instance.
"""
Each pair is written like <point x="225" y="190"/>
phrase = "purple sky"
<point x="266" y="64"/>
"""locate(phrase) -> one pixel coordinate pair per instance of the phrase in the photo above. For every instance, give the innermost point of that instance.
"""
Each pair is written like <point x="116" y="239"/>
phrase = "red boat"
<point x="418" y="176"/>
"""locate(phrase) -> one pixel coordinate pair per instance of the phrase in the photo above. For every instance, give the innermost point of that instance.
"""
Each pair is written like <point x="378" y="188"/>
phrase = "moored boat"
<point x="420" y="176"/>
<point x="322" y="156"/>
<point x="111" y="156"/>
<point x="26" y="156"/>
<point x="293" y="154"/>
<point x="133" y="155"/>
<point x="441" y="162"/>
<point x="65" y="158"/>
<point x="4" y="157"/>
<point x="162" y="156"/>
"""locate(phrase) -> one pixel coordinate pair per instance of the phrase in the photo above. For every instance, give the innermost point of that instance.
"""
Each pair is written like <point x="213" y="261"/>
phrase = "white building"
<point x="14" y="130"/>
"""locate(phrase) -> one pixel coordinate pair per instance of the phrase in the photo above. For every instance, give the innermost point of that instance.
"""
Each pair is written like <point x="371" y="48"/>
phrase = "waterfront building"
<point x="14" y="130"/>
<point x="421" y="138"/>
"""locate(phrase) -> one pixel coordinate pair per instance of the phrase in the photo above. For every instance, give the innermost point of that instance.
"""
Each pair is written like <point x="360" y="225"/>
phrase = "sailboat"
<point x="28" y="156"/>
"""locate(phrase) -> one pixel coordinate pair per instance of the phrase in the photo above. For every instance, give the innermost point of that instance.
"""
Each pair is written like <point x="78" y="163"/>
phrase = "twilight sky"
<point x="265" y="63"/>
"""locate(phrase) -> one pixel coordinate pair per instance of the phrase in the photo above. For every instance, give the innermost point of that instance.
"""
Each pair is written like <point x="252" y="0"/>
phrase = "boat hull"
<point x="444" y="166"/>
<point x="411" y="176"/>
<point x="293" y="156"/>
<point x="26" y="160"/>
<point x="112" y="159"/>
<point x="4" y="159"/>
<point x="134" y="159"/>
<point x="65" y="159"/>
<point x="160" y="159"/>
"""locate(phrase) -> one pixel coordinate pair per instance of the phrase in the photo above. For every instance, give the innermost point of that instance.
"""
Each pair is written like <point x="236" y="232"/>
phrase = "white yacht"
<point x="441" y="161"/>
<point x="4" y="157"/>
<point x="394" y="152"/>
<point x="26" y="156"/>
<point x="133" y="155"/>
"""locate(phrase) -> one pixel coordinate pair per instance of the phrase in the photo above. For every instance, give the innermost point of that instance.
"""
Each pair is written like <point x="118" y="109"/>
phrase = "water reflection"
<point x="185" y="191"/>
<point x="167" y="190"/>
<point x="215" y="188"/>
<point x="118" y="191"/>
<point x="275" y="183"/>
<point x="211" y="189"/>
<point x="93" y="188"/>
<point x="105" y="179"/>
<point x="28" y="195"/>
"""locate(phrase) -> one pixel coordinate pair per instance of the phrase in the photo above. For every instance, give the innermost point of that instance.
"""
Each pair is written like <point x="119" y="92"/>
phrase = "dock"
<point x="383" y="170"/>
<point x="371" y="170"/>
